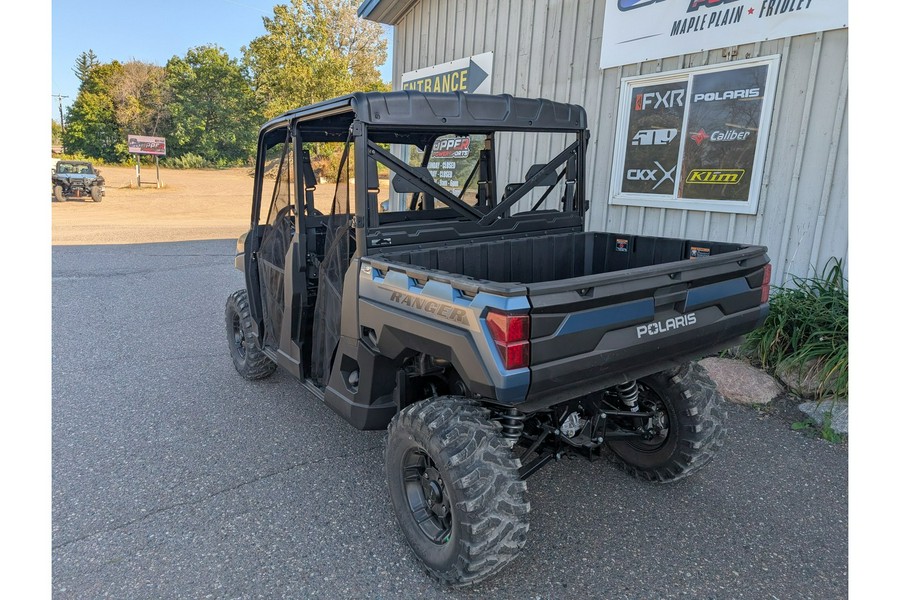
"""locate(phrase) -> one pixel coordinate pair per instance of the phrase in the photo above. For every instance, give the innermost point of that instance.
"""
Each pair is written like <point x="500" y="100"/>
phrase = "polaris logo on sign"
<point x="667" y="325"/>
<point x="727" y="95"/>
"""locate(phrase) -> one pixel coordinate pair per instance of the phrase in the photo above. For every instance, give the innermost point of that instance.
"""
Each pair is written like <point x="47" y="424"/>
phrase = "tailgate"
<point x="595" y="331"/>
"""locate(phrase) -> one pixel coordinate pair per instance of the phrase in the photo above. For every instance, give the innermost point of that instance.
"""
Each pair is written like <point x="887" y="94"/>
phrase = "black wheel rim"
<point x="426" y="496"/>
<point x="239" y="342"/>
<point x="650" y="401"/>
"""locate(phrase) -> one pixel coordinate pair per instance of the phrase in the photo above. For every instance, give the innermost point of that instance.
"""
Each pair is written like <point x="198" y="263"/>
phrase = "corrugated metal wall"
<point x="551" y="49"/>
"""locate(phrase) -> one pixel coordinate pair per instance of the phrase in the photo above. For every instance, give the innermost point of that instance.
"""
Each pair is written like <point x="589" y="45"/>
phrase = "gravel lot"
<point x="175" y="478"/>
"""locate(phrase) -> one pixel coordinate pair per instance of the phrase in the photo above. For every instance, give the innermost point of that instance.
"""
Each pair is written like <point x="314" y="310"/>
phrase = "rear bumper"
<point x="621" y="356"/>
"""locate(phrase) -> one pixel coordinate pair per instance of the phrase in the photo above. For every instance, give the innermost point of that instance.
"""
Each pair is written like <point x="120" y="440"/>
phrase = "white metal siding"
<point x="551" y="49"/>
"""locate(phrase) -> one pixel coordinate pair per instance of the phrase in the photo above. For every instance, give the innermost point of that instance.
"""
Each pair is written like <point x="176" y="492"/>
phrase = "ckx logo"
<point x="656" y="100"/>
<point x="653" y="137"/>
<point x="650" y="174"/>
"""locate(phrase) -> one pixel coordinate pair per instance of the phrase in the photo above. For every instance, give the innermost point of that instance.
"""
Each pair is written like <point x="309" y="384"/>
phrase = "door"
<point x="276" y="230"/>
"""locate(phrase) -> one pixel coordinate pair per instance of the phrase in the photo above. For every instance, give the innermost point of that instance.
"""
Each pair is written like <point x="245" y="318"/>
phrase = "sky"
<point x="151" y="32"/>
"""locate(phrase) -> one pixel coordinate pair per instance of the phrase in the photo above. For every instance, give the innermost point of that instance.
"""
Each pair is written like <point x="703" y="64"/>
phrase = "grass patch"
<point x="807" y="328"/>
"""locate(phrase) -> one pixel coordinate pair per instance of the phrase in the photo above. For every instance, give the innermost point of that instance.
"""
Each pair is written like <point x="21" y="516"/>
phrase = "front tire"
<point x="693" y="419"/>
<point x="472" y="521"/>
<point x="96" y="193"/>
<point x="248" y="359"/>
<point x="58" y="193"/>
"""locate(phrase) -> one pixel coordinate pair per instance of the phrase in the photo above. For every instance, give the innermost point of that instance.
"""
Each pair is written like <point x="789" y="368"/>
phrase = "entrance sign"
<point x="471" y="75"/>
<point x="639" y="30"/>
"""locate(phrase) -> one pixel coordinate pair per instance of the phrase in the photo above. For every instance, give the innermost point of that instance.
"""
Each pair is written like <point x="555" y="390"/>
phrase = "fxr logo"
<point x="668" y="99"/>
<point x="716" y="176"/>
<point x="653" y="137"/>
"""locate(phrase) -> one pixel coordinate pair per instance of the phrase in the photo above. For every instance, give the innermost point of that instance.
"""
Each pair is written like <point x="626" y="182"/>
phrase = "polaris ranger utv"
<point x="464" y="308"/>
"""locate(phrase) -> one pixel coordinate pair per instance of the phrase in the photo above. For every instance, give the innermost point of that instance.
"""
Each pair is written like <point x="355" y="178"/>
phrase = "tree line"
<point x="208" y="105"/>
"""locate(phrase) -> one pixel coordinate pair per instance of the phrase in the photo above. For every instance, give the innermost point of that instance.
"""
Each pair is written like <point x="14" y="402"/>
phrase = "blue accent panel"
<point x="708" y="294"/>
<point x="398" y="279"/>
<point x="508" y="303"/>
<point x="607" y="315"/>
<point x="437" y="289"/>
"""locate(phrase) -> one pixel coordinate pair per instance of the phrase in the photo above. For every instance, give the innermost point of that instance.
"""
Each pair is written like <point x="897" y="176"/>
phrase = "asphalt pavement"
<point x="175" y="478"/>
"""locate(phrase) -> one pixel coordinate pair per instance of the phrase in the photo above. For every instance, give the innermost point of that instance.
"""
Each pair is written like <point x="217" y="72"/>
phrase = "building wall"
<point x="551" y="49"/>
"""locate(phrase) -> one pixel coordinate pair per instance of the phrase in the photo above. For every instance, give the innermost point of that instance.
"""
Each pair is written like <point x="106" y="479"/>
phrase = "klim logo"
<point x="667" y="325"/>
<point x="657" y="100"/>
<point x="716" y="176"/>
<point x="653" y="137"/>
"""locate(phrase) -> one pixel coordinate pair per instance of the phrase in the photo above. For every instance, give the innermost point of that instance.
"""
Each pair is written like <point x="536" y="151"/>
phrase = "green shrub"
<point x="188" y="160"/>
<point x="808" y="326"/>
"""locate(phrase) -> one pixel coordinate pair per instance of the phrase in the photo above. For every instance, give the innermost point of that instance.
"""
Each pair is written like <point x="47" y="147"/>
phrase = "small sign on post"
<point x="144" y="144"/>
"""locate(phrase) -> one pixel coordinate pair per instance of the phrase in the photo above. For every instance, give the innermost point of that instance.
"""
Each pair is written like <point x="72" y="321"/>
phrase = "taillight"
<point x="767" y="278"/>
<point x="510" y="334"/>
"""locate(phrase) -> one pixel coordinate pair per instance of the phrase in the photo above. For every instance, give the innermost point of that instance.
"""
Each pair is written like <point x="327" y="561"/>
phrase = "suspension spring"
<point x="513" y="423"/>
<point x="628" y="394"/>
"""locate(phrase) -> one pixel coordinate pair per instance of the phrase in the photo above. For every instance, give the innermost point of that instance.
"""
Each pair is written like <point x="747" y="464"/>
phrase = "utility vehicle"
<point x="444" y="288"/>
<point x="77" y="179"/>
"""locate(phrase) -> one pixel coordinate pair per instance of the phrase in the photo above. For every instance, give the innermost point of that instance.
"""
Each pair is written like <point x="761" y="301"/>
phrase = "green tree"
<point x="91" y="125"/>
<point x="55" y="133"/>
<point x="213" y="110"/>
<point x="140" y="95"/>
<point x="84" y="63"/>
<point x="314" y="50"/>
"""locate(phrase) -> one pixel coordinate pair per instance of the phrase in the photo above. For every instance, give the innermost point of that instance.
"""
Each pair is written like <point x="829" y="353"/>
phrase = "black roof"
<point x="411" y="109"/>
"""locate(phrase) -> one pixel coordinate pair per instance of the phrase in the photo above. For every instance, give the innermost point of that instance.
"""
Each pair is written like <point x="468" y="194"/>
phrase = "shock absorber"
<point x="628" y="394"/>
<point x="513" y="422"/>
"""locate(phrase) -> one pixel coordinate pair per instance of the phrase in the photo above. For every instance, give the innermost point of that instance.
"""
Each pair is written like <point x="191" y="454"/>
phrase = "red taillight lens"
<point x="767" y="278"/>
<point x="510" y="334"/>
<point x="508" y="328"/>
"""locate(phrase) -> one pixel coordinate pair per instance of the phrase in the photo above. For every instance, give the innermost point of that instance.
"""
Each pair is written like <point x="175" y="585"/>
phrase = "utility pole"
<point x="62" y="123"/>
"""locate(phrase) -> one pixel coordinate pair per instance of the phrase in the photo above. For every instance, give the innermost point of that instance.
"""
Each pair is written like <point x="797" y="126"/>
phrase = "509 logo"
<point x="653" y="137"/>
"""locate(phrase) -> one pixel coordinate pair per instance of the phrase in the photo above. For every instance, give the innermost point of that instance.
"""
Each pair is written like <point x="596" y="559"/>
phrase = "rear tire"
<point x="472" y="521"/>
<point x="58" y="193"/>
<point x="248" y="359"/>
<point x="695" y="416"/>
<point x="96" y="193"/>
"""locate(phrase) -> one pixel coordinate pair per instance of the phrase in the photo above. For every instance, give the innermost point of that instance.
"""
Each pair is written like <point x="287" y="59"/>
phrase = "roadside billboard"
<point x="143" y="144"/>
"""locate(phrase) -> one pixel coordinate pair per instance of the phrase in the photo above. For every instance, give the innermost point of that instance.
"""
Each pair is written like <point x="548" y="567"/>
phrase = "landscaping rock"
<point x="839" y="413"/>
<point x="741" y="382"/>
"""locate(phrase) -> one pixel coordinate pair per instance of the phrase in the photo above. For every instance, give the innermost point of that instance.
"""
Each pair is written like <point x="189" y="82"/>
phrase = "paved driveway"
<point x="175" y="478"/>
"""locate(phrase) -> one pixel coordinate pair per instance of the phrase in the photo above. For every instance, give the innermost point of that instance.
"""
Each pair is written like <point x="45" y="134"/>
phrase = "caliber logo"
<point x="700" y="137"/>
<point x="653" y="137"/>
<point x="745" y="94"/>
<point x="695" y="4"/>
<point x="667" y="325"/>
<point x="445" y="311"/>
<point x="716" y="176"/>
<point x="657" y="100"/>
<point x="729" y="135"/>
<point x="650" y="174"/>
